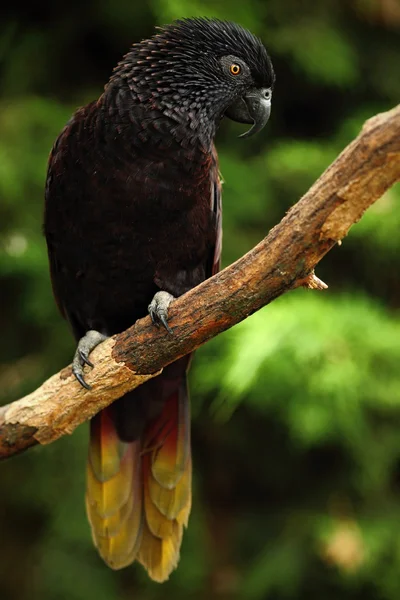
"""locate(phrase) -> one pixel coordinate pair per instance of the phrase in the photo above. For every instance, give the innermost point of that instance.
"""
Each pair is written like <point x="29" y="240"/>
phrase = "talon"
<point x="85" y="359"/>
<point x="152" y="317"/>
<point x="158" y="309"/>
<point x="81" y="380"/>
<point x="165" y="323"/>
<point x="85" y="346"/>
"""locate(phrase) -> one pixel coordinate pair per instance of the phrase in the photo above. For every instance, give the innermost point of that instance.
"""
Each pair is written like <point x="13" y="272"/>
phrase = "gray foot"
<point x="158" y="309"/>
<point x="85" y="346"/>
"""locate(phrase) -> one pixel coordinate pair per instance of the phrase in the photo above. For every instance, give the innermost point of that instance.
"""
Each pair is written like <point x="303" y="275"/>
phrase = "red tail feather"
<point x="139" y="493"/>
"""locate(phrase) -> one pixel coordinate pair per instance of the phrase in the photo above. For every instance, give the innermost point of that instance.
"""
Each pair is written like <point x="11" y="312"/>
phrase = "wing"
<point x="216" y="207"/>
<point x="63" y="196"/>
<point x="54" y="164"/>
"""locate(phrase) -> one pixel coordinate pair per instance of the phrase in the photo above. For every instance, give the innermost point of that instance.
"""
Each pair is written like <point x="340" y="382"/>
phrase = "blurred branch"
<point x="284" y="260"/>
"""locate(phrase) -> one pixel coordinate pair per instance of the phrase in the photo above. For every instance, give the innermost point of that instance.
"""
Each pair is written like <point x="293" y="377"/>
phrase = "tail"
<point x="138" y="495"/>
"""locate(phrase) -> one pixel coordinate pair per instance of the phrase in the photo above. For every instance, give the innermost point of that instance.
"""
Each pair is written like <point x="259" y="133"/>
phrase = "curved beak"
<point x="254" y="107"/>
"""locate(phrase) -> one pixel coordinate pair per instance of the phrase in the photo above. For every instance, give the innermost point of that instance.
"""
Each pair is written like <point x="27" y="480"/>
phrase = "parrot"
<point x="132" y="220"/>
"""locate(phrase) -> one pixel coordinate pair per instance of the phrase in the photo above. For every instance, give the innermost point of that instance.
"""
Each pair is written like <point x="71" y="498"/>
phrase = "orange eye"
<point x="235" y="69"/>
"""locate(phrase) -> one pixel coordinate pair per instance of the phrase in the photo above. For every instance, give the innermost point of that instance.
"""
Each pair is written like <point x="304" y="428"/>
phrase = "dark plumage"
<point x="133" y="207"/>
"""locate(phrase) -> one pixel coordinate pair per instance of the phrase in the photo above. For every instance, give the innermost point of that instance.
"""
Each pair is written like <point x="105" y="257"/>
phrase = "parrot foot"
<point x="85" y="346"/>
<point x="158" y="309"/>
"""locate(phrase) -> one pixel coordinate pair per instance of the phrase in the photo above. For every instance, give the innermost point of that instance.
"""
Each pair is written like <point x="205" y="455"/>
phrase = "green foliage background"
<point x="296" y="411"/>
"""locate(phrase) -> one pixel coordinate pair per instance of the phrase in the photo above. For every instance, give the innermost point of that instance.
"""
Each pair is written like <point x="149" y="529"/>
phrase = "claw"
<point x="80" y="378"/>
<point x="152" y="317"/>
<point x="164" y="321"/>
<point x="158" y="309"/>
<point x="85" y="346"/>
<point x="85" y="359"/>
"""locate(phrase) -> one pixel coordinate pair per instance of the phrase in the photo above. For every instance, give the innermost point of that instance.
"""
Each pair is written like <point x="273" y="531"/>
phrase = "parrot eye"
<point x="234" y="66"/>
<point x="235" y="69"/>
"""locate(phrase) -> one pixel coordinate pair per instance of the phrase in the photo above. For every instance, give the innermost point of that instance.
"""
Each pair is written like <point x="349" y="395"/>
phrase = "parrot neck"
<point x="138" y="138"/>
<point x="158" y="120"/>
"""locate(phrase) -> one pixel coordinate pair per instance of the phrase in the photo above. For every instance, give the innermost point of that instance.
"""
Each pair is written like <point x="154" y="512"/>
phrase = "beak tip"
<point x="246" y="134"/>
<point x="260" y="112"/>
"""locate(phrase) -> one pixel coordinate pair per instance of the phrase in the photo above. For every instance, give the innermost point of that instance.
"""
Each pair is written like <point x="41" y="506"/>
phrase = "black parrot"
<point x="132" y="220"/>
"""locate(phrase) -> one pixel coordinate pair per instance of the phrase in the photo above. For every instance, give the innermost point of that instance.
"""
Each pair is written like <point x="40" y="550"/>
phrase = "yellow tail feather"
<point x="138" y="495"/>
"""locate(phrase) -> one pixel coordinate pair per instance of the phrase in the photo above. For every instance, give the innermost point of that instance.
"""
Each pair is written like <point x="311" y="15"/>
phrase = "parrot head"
<point x="199" y="70"/>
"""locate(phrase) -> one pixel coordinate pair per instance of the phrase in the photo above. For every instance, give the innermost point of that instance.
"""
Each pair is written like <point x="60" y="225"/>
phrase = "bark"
<point x="282" y="261"/>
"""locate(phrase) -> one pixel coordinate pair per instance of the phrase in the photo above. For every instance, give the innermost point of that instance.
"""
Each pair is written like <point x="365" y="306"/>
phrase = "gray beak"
<point x="254" y="107"/>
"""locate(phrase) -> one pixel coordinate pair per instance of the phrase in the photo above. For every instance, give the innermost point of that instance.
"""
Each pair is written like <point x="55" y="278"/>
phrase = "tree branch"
<point x="284" y="260"/>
